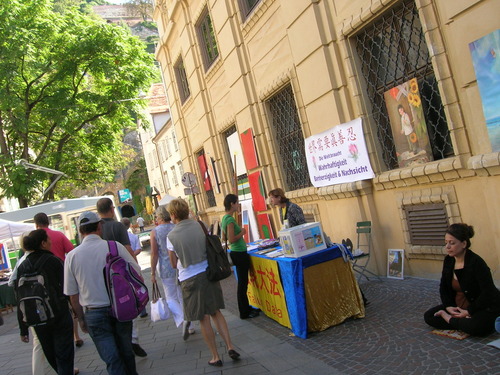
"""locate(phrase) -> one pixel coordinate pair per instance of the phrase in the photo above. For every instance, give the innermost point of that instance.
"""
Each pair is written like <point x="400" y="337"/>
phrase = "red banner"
<point x="204" y="172"/>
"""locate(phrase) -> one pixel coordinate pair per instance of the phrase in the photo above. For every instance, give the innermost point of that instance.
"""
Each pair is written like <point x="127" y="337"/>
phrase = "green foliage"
<point x="136" y="184"/>
<point x="149" y="25"/>
<point x="140" y="8"/>
<point x="64" y="83"/>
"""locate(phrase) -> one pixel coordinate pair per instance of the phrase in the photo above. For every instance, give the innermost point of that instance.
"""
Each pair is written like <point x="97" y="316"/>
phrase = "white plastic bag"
<point x="159" y="308"/>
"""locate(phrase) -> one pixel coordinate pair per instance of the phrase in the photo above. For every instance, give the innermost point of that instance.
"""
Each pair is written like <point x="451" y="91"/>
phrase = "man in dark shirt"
<point x="113" y="230"/>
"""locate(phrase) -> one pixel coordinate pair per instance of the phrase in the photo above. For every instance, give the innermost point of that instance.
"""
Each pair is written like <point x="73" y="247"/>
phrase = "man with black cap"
<point x="85" y="285"/>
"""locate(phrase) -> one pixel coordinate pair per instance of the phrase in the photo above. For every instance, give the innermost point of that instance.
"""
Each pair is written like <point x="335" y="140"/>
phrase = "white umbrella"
<point x="166" y="200"/>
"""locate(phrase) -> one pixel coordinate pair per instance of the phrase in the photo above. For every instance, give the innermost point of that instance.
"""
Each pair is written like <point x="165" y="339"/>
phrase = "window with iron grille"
<point x="208" y="43"/>
<point x="247" y="7"/>
<point x="182" y="81"/>
<point x="427" y="223"/>
<point x="392" y="51"/>
<point x="289" y="140"/>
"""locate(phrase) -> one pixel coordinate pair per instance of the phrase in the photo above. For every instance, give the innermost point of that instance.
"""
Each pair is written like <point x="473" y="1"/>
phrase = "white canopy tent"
<point x="11" y="229"/>
<point x="166" y="199"/>
<point x="8" y="231"/>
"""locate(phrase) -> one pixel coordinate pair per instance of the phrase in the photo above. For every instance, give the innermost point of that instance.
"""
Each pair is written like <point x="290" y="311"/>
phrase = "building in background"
<point x="280" y="73"/>
<point x="160" y="146"/>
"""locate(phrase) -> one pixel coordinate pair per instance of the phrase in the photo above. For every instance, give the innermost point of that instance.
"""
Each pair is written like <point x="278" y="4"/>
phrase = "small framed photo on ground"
<point x="395" y="264"/>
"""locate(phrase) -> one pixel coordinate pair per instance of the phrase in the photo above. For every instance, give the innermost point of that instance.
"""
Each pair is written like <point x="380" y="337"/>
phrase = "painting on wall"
<point x="485" y="54"/>
<point x="409" y="130"/>
<point x="258" y="191"/>
<point x="249" y="151"/>
<point x="395" y="266"/>
<point x="265" y="229"/>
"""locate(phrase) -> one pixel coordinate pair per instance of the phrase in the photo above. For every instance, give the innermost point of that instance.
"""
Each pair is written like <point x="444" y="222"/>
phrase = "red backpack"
<point x="126" y="289"/>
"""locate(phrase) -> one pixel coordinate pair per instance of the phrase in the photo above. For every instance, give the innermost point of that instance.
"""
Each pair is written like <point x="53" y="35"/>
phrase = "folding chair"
<point x="364" y="245"/>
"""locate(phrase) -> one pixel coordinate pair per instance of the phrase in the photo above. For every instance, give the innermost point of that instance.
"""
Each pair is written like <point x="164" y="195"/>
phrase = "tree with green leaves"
<point x="67" y="83"/>
<point x="140" y="8"/>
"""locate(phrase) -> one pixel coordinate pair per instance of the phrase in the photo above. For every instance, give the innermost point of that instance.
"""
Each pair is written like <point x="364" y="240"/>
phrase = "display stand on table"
<point x="306" y="294"/>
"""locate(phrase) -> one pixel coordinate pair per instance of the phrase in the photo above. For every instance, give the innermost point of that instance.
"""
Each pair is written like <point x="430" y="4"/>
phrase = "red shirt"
<point x="60" y="243"/>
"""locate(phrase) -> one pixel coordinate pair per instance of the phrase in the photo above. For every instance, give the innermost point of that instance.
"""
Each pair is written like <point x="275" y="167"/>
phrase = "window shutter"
<point x="427" y="223"/>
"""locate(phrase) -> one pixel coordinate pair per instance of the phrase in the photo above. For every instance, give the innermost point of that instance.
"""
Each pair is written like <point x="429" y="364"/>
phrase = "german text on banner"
<point x="265" y="290"/>
<point x="338" y="155"/>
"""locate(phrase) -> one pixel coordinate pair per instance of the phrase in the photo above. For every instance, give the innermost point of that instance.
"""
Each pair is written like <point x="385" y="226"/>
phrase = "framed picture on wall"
<point x="395" y="264"/>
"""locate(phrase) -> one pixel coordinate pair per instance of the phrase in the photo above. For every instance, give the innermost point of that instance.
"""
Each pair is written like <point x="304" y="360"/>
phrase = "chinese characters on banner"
<point x="338" y="155"/>
<point x="265" y="290"/>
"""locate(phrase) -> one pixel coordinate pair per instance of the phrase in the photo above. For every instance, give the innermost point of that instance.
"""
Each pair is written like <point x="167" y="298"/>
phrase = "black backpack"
<point x="37" y="300"/>
<point x="218" y="263"/>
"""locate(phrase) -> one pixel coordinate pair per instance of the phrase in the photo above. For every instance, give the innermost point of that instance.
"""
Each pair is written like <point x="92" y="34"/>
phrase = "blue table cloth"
<point x="292" y="279"/>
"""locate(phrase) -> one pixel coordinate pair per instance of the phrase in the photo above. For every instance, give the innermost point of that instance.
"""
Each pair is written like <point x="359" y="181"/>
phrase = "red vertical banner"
<point x="265" y="229"/>
<point x="249" y="151"/>
<point x="257" y="191"/>
<point x="204" y="172"/>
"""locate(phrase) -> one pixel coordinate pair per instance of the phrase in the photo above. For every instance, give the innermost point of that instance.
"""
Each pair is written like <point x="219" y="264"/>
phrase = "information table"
<point x="307" y="294"/>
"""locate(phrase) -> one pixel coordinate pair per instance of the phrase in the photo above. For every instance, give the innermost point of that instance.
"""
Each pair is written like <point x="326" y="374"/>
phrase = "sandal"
<point x="233" y="354"/>
<point x="216" y="363"/>
<point x="79" y="343"/>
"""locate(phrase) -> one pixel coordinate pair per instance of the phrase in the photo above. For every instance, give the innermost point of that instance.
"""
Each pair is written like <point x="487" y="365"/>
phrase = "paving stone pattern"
<point x="392" y="339"/>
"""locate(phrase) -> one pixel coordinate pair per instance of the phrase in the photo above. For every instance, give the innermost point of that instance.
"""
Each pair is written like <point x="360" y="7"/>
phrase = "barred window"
<point x="182" y="81"/>
<point x="247" y="7"/>
<point x="396" y="66"/>
<point x="289" y="139"/>
<point x="208" y="43"/>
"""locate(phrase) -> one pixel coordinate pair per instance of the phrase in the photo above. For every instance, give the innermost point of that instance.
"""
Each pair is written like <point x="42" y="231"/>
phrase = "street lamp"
<point x="27" y="165"/>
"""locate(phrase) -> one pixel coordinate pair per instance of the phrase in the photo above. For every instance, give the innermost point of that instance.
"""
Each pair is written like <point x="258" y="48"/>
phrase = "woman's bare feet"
<point x="443" y="314"/>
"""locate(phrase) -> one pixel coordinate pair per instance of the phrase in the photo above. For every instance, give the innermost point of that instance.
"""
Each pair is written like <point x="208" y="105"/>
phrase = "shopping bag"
<point x="159" y="308"/>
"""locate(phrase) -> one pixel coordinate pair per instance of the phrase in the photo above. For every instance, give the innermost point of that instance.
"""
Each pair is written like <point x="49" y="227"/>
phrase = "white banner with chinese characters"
<point x="338" y="155"/>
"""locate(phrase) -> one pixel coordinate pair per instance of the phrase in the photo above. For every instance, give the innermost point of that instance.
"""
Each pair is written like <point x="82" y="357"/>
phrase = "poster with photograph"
<point x="395" y="266"/>
<point x="485" y="54"/>
<point x="409" y="130"/>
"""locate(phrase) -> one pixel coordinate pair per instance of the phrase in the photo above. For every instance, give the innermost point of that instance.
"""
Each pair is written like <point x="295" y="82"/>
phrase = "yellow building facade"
<point x="290" y="69"/>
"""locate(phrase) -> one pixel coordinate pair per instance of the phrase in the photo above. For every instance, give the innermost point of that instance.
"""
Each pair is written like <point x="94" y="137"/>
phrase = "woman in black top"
<point x="56" y="337"/>
<point x="470" y="300"/>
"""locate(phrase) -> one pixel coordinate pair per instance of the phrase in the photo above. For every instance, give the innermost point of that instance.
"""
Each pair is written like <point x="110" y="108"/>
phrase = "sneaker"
<point x="138" y="351"/>
<point x="185" y="330"/>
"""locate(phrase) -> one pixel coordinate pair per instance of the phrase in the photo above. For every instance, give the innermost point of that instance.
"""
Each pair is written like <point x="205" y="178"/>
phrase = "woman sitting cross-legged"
<point x="470" y="300"/>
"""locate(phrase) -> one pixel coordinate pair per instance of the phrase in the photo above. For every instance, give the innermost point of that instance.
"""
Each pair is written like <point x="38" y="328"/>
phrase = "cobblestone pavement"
<point x="392" y="338"/>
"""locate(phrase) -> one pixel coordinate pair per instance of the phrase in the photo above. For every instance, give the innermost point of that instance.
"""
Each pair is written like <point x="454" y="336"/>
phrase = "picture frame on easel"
<point x="395" y="264"/>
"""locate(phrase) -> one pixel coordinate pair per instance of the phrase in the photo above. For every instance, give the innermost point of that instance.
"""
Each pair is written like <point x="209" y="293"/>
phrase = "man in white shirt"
<point x="85" y="285"/>
<point x="140" y="223"/>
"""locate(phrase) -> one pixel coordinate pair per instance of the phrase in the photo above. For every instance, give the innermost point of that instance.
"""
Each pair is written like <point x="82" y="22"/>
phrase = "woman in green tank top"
<point x="234" y="235"/>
